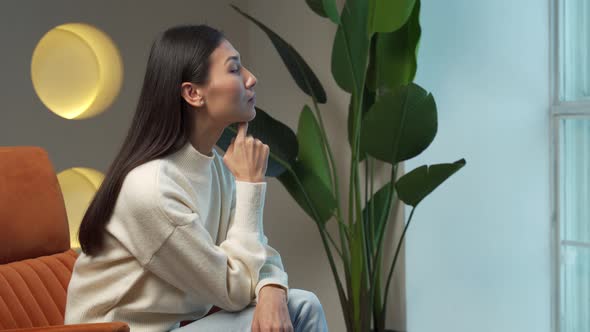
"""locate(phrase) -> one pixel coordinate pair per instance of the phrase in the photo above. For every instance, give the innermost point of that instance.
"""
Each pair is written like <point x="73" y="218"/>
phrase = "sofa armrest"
<point x="92" y="327"/>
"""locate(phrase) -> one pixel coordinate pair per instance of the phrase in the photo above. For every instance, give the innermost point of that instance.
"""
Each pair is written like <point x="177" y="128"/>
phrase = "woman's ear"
<point x="192" y="94"/>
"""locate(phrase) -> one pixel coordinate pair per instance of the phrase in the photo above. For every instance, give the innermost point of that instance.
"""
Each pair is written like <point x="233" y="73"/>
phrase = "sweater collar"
<point x="192" y="160"/>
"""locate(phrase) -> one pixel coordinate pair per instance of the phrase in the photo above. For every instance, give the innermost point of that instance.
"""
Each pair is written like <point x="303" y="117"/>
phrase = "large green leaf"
<point x="312" y="152"/>
<point x="379" y="203"/>
<point x="393" y="62"/>
<point x="414" y="186"/>
<point x="312" y="170"/>
<point x="400" y="125"/>
<point x="278" y="136"/>
<point x="305" y="78"/>
<point x="325" y="8"/>
<point x="318" y="194"/>
<point x="351" y="46"/>
<point x="388" y="15"/>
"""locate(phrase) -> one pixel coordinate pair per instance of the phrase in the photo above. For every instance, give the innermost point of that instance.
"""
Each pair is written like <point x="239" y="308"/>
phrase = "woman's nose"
<point x="251" y="82"/>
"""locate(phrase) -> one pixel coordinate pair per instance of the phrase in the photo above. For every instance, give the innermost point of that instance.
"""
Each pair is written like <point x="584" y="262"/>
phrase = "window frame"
<point x="558" y="110"/>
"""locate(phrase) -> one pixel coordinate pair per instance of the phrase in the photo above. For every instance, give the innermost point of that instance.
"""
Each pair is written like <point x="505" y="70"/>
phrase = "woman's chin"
<point x="252" y="112"/>
<point x="246" y="115"/>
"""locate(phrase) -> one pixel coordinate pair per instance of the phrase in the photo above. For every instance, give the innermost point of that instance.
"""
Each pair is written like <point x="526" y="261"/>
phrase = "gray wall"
<point x="132" y="25"/>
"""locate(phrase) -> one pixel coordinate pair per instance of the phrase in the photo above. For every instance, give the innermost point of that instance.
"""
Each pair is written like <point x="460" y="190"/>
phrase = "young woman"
<point x="174" y="239"/>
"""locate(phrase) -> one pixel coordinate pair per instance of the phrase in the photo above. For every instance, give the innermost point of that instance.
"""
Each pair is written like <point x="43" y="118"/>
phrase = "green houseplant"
<point x="390" y="119"/>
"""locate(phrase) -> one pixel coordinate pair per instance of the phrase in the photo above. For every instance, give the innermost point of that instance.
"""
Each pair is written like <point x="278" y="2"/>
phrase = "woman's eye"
<point x="237" y="69"/>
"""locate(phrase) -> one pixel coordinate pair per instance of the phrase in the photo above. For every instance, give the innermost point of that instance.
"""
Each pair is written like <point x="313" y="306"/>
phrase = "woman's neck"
<point x="204" y="134"/>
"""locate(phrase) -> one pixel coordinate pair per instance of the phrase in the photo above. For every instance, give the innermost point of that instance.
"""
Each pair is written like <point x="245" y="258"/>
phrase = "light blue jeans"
<point x="305" y="309"/>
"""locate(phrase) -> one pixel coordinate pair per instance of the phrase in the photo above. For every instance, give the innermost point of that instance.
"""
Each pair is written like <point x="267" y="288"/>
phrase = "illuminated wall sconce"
<point x="76" y="71"/>
<point x="78" y="186"/>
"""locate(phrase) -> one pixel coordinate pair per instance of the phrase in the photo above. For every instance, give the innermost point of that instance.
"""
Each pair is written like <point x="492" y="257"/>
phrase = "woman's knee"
<point x="305" y="297"/>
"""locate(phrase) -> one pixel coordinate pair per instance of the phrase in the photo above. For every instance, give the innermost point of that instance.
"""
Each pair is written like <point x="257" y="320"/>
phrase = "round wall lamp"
<point x="76" y="71"/>
<point x="78" y="186"/>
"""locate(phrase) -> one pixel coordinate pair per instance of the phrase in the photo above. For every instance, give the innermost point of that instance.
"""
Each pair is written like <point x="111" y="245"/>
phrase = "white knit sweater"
<point x="184" y="236"/>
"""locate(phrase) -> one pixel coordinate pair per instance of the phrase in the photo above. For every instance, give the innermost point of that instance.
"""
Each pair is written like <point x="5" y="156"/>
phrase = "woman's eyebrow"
<point x="233" y="57"/>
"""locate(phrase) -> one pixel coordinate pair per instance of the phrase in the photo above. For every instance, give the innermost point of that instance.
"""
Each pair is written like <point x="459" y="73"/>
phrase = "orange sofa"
<point x="36" y="260"/>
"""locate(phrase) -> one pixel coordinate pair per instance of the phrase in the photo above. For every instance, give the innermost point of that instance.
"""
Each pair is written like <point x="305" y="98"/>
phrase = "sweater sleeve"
<point x="273" y="271"/>
<point x="224" y="275"/>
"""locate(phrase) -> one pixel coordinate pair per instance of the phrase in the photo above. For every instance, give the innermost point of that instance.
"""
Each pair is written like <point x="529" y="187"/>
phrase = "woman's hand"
<point x="272" y="313"/>
<point x="246" y="157"/>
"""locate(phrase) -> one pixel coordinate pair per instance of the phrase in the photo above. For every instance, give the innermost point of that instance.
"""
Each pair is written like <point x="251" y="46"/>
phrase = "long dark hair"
<point x="161" y="124"/>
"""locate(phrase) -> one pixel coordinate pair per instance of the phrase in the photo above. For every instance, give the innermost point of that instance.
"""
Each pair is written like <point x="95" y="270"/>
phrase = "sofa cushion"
<point x="33" y="291"/>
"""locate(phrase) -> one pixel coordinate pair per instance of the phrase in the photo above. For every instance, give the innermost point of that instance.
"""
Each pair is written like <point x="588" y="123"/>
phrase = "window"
<point x="570" y="113"/>
<point x="574" y="216"/>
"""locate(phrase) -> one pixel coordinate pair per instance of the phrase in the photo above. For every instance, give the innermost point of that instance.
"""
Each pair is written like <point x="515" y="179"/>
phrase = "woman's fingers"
<point x="247" y="156"/>
<point x="230" y="148"/>
<point x="242" y="130"/>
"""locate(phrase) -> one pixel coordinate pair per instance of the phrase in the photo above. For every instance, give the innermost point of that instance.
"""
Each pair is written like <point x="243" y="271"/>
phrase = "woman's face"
<point x="227" y="97"/>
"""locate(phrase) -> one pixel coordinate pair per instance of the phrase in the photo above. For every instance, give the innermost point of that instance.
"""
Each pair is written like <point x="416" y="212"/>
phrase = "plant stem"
<point x="333" y="243"/>
<point x="355" y="182"/>
<point x="342" y="295"/>
<point x="386" y="215"/>
<point x="368" y="220"/>
<point x="372" y="208"/>
<point x="335" y="184"/>
<point x="382" y="221"/>
<point x="393" y="175"/>
<point x="375" y="286"/>
<point x="378" y="319"/>
<point x="342" y="232"/>
<point x="354" y="161"/>
<point x="397" y="250"/>
<point x="342" y="229"/>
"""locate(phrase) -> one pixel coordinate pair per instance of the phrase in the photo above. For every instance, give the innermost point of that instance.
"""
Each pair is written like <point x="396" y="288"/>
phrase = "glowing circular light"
<point x="78" y="186"/>
<point x="76" y="71"/>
